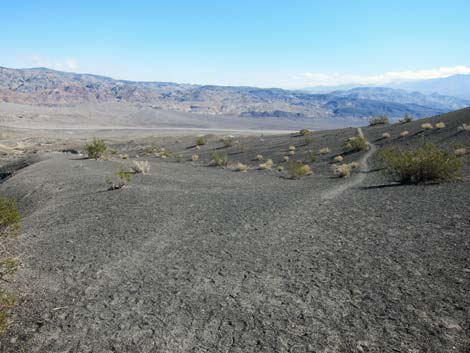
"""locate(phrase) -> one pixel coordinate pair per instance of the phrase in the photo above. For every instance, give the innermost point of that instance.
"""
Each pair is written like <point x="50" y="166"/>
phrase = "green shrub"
<point x="96" y="148"/>
<point x="9" y="217"/>
<point x="304" y="132"/>
<point x="308" y="141"/>
<point x="427" y="163"/>
<point x="219" y="159"/>
<point x="298" y="169"/>
<point x="379" y="120"/>
<point x="120" y="179"/>
<point x="9" y="225"/>
<point x="355" y="144"/>
<point x="406" y="119"/>
<point x="201" y="141"/>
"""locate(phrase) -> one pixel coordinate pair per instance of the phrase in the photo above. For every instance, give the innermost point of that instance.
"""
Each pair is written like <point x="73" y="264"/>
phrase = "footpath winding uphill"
<point x="197" y="259"/>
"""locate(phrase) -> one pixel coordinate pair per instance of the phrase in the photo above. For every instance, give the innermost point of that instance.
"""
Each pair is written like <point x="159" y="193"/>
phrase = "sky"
<point x="265" y="43"/>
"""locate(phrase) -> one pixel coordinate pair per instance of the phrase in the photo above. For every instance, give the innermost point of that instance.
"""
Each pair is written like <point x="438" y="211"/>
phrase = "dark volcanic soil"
<point x="200" y="259"/>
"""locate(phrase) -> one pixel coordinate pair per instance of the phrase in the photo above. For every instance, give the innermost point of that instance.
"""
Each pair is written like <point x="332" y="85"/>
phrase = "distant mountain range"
<point x="456" y="85"/>
<point x="41" y="86"/>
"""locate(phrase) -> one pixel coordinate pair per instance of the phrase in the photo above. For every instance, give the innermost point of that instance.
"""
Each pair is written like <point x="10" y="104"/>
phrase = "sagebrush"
<point x="427" y="163"/>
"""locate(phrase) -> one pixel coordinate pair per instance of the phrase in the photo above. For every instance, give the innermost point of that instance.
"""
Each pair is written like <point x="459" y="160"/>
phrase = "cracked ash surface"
<point x="198" y="259"/>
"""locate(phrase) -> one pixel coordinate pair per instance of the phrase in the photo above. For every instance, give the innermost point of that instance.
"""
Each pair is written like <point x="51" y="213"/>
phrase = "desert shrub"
<point x="460" y="152"/>
<point x="113" y="151"/>
<point x="141" y="167"/>
<point x="427" y="163"/>
<point x="150" y="149"/>
<point x="406" y="119"/>
<point x="440" y="125"/>
<point x="291" y="153"/>
<point x="195" y="157"/>
<point x="124" y="156"/>
<point x="266" y="165"/>
<point x="201" y="141"/>
<point x="404" y="133"/>
<point x="354" y="165"/>
<point x="426" y="126"/>
<point x="308" y="141"/>
<point x="324" y="150"/>
<point x="285" y="158"/>
<point x="291" y="148"/>
<point x="386" y="135"/>
<point x="120" y="179"/>
<point x="379" y="120"/>
<point x="240" y="167"/>
<point x="355" y="144"/>
<point x="304" y="132"/>
<point x="96" y="148"/>
<point x="342" y="170"/>
<point x="219" y="159"/>
<point x="338" y="158"/>
<point x="228" y="141"/>
<point x="280" y="168"/>
<point x="298" y="169"/>
<point x="464" y="127"/>
<point x="259" y="157"/>
<point x="10" y="219"/>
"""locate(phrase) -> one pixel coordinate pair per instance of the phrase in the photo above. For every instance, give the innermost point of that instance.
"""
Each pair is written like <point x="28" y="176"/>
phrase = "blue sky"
<point x="291" y="43"/>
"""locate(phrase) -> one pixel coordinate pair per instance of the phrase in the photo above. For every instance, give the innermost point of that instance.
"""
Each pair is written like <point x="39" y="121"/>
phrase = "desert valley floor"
<point x="193" y="258"/>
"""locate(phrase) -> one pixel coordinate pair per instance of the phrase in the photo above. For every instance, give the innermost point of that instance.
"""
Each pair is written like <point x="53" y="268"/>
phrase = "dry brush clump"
<point x="426" y="126"/>
<point x="298" y="169"/>
<point x="291" y="148"/>
<point x="95" y="149"/>
<point x="195" y="157"/>
<point x="464" y="127"/>
<point x="304" y="132"/>
<point x="459" y="152"/>
<point x="266" y="165"/>
<point x="354" y="165"/>
<point x="338" y="158"/>
<point x="240" y="167"/>
<point x="386" y="135"/>
<point x="219" y="159"/>
<point x="404" y="133"/>
<point x="379" y="120"/>
<point x="355" y="144"/>
<point x="440" y="125"/>
<point x="228" y="141"/>
<point x="10" y="218"/>
<point x="285" y="158"/>
<point x="324" y="150"/>
<point x="259" y="157"/>
<point x="427" y="163"/>
<point x="342" y="170"/>
<point x="141" y="167"/>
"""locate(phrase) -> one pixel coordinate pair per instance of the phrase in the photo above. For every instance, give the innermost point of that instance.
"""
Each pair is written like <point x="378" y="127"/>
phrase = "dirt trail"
<point x="356" y="180"/>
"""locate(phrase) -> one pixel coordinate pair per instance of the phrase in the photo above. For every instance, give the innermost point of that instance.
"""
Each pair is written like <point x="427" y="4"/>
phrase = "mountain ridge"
<point x="44" y="86"/>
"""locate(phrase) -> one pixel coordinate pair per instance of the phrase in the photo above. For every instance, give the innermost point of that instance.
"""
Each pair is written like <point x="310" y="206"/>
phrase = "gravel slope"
<point x="200" y="259"/>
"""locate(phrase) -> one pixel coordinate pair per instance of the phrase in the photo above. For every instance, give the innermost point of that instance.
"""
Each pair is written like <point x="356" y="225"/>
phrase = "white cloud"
<point x="321" y="79"/>
<point x="69" y="64"/>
